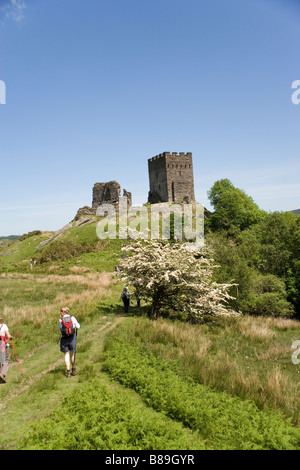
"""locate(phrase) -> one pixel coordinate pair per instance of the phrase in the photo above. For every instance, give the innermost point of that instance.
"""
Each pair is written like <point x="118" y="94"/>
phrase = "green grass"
<point x="248" y="357"/>
<point x="223" y="421"/>
<point x="105" y="416"/>
<point x="18" y="292"/>
<point x="16" y="257"/>
<point x="155" y="384"/>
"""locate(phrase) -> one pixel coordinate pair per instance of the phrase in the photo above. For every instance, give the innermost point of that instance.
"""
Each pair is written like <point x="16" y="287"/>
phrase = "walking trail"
<point x="29" y="364"/>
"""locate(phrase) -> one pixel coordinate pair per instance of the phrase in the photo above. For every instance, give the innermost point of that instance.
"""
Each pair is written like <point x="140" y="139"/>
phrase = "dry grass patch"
<point x="273" y="352"/>
<point x="28" y="314"/>
<point x="188" y="339"/>
<point x="83" y="299"/>
<point x="280" y="392"/>
<point x="91" y="280"/>
<point x="283" y="323"/>
<point x="97" y="287"/>
<point x="219" y="358"/>
<point x="79" y="270"/>
<point x="253" y="328"/>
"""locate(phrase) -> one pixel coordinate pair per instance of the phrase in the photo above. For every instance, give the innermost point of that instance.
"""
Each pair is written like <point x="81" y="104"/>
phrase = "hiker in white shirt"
<point x="4" y="350"/>
<point x="67" y="327"/>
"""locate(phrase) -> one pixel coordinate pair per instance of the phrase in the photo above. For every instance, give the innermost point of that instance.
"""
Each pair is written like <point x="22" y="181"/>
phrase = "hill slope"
<point x="74" y="244"/>
<point x="141" y="384"/>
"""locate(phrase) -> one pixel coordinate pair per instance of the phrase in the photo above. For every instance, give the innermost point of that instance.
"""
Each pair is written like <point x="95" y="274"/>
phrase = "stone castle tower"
<point x="171" y="178"/>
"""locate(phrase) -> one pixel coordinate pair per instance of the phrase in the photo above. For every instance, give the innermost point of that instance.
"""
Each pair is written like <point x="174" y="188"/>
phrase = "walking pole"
<point x="75" y="346"/>
<point x="16" y="356"/>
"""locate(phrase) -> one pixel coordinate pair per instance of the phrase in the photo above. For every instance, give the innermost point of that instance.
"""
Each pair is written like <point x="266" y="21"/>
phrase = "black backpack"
<point x="67" y="328"/>
<point x="125" y="295"/>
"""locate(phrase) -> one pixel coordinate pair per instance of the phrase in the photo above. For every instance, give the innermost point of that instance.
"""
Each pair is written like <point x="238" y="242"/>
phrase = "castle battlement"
<point x="169" y="154"/>
<point x="171" y="177"/>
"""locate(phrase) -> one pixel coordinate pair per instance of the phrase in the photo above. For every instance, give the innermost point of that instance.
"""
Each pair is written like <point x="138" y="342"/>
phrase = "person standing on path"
<point x="125" y="296"/>
<point x="67" y="327"/>
<point x="4" y="350"/>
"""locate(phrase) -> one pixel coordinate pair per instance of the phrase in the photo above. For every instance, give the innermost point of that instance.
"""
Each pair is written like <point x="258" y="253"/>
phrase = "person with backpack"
<point x="68" y="326"/>
<point x="125" y="296"/>
<point x="4" y="350"/>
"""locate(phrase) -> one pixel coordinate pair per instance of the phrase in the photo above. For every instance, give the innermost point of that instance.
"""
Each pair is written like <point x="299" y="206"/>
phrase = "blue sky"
<point x="95" y="88"/>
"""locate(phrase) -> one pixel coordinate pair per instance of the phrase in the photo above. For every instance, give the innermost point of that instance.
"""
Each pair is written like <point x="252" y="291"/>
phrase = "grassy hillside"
<point x="57" y="252"/>
<point x="141" y="384"/>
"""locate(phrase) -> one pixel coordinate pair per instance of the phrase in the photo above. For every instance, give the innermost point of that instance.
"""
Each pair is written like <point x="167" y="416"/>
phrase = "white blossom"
<point x="171" y="276"/>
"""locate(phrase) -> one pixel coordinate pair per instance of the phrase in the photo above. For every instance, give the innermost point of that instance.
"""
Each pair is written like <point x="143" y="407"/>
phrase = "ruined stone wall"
<point x="109" y="193"/>
<point x="106" y="193"/>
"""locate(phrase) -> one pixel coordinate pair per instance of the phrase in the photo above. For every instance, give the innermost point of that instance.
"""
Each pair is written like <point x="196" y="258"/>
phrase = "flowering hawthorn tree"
<point x="171" y="276"/>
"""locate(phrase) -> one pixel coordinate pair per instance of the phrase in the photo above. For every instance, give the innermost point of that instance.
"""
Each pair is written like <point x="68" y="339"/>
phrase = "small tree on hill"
<point x="172" y="277"/>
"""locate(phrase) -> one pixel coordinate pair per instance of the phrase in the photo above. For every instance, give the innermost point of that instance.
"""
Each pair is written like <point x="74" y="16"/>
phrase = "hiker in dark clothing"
<point x="68" y="326"/>
<point x="125" y="296"/>
<point x="4" y="350"/>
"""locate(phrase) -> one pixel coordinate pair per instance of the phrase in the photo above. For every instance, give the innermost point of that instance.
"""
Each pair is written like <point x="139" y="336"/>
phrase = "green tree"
<point x="241" y="261"/>
<point x="280" y="238"/>
<point x="267" y="296"/>
<point x="234" y="209"/>
<point x="279" y="234"/>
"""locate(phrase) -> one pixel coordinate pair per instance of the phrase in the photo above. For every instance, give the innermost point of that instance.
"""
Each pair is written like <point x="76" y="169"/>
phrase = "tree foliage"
<point x="234" y="209"/>
<point x="173" y="277"/>
<point x="259" y="250"/>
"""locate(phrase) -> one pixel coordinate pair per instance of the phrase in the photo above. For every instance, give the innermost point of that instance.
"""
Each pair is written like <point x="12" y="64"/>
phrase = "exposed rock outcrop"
<point x="55" y="236"/>
<point x="84" y="211"/>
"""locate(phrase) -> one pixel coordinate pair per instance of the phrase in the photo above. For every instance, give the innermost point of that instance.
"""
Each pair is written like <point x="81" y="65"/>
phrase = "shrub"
<point x="30" y="234"/>
<point x="268" y="296"/>
<point x="62" y="250"/>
